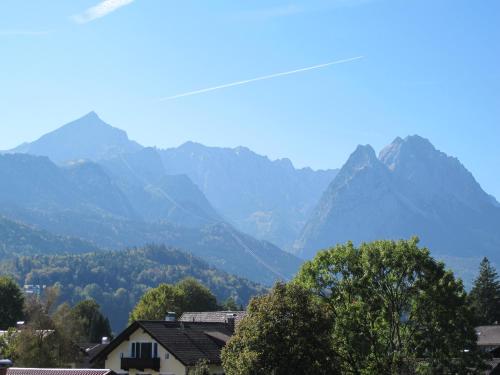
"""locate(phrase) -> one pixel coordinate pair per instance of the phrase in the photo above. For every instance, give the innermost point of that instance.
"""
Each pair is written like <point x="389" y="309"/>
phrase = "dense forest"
<point x="117" y="279"/>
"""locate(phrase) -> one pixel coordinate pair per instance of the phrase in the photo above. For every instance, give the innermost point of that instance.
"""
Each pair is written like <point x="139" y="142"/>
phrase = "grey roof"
<point x="57" y="371"/>
<point x="211" y="316"/>
<point x="187" y="341"/>
<point x="488" y="335"/>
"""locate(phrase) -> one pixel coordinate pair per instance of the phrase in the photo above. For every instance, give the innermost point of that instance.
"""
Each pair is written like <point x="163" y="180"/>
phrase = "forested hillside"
<point x="117" y="279"/>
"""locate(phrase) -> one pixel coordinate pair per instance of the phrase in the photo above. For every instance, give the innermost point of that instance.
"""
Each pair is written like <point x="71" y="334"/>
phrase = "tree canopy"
<point x="284" y="332"/>
<point x="11" y="303"/>
<point x="92" y="324"/>
<point x="485" y="295"/>
<point x="396" y="309"/>
<point x="187" y="295"/>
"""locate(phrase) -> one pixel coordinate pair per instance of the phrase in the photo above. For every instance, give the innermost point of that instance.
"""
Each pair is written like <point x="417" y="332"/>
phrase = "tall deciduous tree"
<point x="187" y="295"/>
<point x="396" y="309"/>
<point x="11" y="303"/>
<point x="485" y="295"/>
<point x="156" y="302"/>
<point x="284" y="332"/>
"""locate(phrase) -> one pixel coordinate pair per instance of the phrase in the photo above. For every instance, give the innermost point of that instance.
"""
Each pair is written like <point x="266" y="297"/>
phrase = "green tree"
<point x="195" y="296"/>
<point x="187" y="295"/>
<point x="11" y="303"/>
<point x="284" y="332"/>
<point x="485" y="295"/>
<point x="201" y="368"/>
<point x="396" y="309"/>
<point x="44" y="341"/>
<point x="156" y="302"/>
<point x="93" y="325"/>
<point x="231" y="305"/>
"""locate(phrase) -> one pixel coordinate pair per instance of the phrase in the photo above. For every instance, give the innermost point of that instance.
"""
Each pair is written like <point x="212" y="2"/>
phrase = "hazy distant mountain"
<point x="123" y="203"/>
<point x="86" y="138"/>
<point x="154" y="194"/>
<point x="410" y="189"/>
<point x="268" y="199"/>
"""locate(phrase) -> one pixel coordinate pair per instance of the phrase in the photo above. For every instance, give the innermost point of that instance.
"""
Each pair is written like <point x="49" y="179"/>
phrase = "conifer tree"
<point x="485" y="295"/>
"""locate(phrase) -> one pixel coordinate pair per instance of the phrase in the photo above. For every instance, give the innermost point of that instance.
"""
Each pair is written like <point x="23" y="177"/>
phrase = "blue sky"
<point x="431" y="67"/>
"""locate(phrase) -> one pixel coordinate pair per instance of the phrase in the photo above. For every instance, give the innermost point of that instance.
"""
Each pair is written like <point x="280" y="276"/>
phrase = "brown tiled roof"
<point x="488" y="335"/>
<point x="187" y="341"/>
<point x="211" y="316"/>
<point x="57" y="371"/>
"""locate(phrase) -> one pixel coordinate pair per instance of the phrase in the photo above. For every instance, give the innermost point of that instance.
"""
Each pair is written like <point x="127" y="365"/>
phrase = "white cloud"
<point x="102" y="9"/>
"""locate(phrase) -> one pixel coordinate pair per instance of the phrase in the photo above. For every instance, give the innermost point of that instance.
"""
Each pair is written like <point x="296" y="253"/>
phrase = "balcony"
<point x="140" y="364"/>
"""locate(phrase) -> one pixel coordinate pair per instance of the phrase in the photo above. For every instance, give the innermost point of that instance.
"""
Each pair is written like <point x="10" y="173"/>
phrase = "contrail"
<point x="238" y="83"/>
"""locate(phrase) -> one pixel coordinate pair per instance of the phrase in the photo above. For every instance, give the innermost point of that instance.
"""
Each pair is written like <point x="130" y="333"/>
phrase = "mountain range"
<point x="410" y="189"/>
<point x="87" y="181"/>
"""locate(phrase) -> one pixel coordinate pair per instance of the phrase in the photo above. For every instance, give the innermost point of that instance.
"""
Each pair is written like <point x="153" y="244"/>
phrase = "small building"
<point x="166" y="347"/>
<point x="488" y="339"/>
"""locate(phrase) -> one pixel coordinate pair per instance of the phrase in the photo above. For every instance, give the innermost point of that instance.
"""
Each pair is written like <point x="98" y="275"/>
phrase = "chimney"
<point x="170" y="317"/>
<point x="4" y="366"/>
<point x="231" y="321"/>
<point x="105" y="340"/>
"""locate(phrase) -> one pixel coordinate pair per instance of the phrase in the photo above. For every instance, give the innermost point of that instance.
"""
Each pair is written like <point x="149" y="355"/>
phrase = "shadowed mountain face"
<point x="267" y="199"/>
<point x="20" y="239"/>
<point x="87" y="138"/>
<point x="410" y="189"/>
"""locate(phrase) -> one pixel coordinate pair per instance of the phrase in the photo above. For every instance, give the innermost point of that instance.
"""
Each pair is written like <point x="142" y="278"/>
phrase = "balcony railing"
<point x="140" y="363"/>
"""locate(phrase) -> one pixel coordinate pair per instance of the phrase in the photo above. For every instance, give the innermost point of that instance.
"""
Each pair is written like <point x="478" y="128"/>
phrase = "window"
<point x="144" y="350"/>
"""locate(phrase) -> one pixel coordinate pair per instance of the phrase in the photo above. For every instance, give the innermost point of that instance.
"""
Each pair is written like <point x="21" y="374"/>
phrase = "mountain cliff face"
<point x="268" y="199"/>
<point x="87" y="138"/>
<point x="410" y="189"/>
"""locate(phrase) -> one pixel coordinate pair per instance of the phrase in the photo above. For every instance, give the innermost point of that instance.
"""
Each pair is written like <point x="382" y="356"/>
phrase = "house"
<point x="488" y="339"/>
<point x="166" y="347"/>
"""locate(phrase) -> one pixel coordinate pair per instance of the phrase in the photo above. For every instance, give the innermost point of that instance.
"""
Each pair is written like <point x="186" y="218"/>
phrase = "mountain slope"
<point x="410" y="189"/>
<point x="154" y="194"/>
<point x="116" y="280"/>
<point x="267" y="199"/>
<point x="17" y="239"/>
<point x="87" y="138"/>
